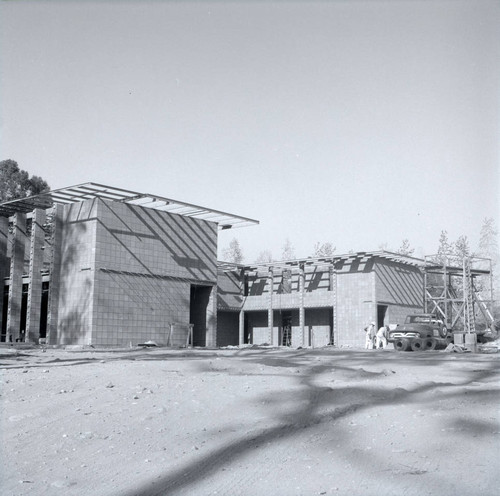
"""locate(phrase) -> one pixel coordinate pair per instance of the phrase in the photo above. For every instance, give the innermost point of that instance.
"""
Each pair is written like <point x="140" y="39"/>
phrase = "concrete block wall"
<point x="229" y="291"/>
<point x="77" y="273"/>
<point x="356" y="306"/>
<point x="146" y="261"/>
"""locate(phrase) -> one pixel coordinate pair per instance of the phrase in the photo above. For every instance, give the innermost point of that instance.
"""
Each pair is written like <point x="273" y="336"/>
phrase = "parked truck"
<point x="420" y="332"/>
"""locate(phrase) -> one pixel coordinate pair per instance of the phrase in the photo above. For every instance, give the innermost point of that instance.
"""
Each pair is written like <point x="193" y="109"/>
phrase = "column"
<point x="270" y="324"/>
<point x="56" y="226"/>
<point x="35" y="272"/>
<point x="4" y="261"/>
<point x="241" y="339"/>
<point x="211" y="340"/>
<point x="333" y="289"/>
<point x="302" y="314"/>
<point x="16" y="277"/>
<point x="241" y="322"/>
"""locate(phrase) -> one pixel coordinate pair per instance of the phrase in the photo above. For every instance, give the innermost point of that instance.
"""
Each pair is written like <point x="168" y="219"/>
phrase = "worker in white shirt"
<point x="381" y="337"/>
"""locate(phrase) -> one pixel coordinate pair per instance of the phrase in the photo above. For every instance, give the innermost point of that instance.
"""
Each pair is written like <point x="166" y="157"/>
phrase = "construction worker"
<point x="369" y="335"/>
<point x="381" y="337"/>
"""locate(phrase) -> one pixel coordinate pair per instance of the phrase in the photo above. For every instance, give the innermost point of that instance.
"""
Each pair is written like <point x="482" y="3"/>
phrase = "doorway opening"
<point x="286" y="329"/>
<point x="198" y="304"/>
<point x="44" y="309"/>
<point x="5" y="307"/>
<point x="381" y="313"/>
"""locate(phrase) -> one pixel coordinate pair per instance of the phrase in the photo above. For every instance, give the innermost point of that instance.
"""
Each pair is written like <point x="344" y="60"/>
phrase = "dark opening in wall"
<point x="198" y="313"/>
<point x="44" y="309"/>
<point x="3" y="335"/>
<point x="24" y="313"/>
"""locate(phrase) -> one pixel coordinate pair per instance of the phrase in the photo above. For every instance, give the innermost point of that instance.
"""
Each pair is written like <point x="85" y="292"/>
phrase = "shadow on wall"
<point x="75" y="291"/>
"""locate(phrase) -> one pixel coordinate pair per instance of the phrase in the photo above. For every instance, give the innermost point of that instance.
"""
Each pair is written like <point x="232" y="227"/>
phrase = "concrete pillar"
<point x="4" y="262"/>
<point x="35" y="272"/>
<point x="211" y="341"/>
<point x="16" y="277"/>
<point x="270" y="323"/>
<point x="55" y="218"/>
<point x="333" y="289"/>
<point x="302" y="314"/>
<point x="241" y="338"/>
<point x="241" y="322"/>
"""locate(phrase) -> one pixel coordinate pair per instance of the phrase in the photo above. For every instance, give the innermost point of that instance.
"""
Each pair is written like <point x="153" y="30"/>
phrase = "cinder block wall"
<point x="76" y="274"/>
<point x="146" y="261"/>
<point x="355" y="307"/>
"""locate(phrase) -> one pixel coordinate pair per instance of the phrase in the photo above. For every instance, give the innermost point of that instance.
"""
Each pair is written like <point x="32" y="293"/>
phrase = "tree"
<point x="488" y="242"/>
<point x="462" y="249"/>
<point x="16" y="183"/>
<point x="445" y="249"/>
<point x="288" y="252"/>
<point x="265" y="256"/>
<point x="323" y="249"/>
<point x="233" y="253"/>
<point x="488" y="248"/>
<point x="405" y="248"/>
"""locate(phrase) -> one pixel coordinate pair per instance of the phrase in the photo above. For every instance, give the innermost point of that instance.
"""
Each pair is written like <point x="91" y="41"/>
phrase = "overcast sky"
<point x="354" y="122"/>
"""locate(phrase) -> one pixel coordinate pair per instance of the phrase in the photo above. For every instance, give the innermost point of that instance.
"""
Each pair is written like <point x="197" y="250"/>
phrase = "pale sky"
<point x="352" y="122"/>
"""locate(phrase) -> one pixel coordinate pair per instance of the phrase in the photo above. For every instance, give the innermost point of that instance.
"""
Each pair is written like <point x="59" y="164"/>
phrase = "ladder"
<point x="468" y="289"/>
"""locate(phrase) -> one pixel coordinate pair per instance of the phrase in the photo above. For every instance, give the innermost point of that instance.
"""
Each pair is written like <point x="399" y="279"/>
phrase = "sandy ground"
<point x="249" y="422"/>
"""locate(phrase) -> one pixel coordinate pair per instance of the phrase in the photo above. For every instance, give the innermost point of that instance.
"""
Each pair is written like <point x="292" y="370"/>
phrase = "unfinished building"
<point x="97" y="265"/>
<point x="316" y="302"/>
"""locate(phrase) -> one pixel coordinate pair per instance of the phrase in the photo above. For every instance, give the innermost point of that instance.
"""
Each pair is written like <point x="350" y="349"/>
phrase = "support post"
<point x="56" y="220"/>
<point x="301" y="305"/>
<point x="211" y="336"/>
<point x="4" y="265"/>
<point x="270" y="323"/>
<point x="16" y="277"/>
<point x="35" y="271"/>
<point x="333" y="288"/>
<point x="241" y="325"/>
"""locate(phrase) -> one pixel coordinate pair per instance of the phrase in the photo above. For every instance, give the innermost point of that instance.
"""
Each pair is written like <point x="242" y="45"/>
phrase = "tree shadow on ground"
<point x="314" y="405"/>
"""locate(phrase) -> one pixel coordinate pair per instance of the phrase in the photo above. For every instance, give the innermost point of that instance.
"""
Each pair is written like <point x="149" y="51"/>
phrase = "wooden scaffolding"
<point x="460" y="291"/>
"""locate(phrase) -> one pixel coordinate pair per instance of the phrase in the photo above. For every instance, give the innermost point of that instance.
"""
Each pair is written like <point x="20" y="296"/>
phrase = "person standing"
<point x="369" y="335"/>
<point x="381" y="337"/>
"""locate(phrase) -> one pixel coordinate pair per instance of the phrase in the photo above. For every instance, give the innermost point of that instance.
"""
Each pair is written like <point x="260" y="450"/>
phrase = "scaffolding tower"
<point x="459" y="290"/>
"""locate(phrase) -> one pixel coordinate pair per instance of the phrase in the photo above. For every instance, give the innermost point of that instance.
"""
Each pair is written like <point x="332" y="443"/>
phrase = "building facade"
<point x="316" y="302"/>
<point x="109" y="267"/>
<point x="97" y="265"/>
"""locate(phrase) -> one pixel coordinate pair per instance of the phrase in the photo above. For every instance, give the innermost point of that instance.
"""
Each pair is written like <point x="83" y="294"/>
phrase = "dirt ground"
<point x="145" y="422"/>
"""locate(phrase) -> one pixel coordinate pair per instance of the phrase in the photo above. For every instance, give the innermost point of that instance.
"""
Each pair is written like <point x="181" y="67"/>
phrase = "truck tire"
<point x="402" y="344"/>
<point x="417" y="344"/>
<point x="430" y="344"/>
<point x="443" y="332"/>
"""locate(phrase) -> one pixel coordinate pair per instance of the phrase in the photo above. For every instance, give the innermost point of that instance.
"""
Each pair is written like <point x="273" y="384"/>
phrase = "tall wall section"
<point x="74" y="270"/>
<point x="146" y="263"/>
<point x="356" y="305"/>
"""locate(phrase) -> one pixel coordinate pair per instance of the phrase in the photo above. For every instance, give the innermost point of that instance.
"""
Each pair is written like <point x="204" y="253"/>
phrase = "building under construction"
<point x="97" y="265"/>
<point x="103" y="266"/>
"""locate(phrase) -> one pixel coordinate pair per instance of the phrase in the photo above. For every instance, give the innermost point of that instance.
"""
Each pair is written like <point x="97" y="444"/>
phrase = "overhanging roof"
<point x="89" y="191"/>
